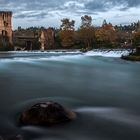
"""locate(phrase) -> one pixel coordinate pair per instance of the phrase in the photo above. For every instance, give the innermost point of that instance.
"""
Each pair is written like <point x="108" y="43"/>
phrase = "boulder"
<point x="17" y="137"/>
<point x="14" y="137"/>
<point x="47" y="113"/>
<point x="131" y="57"/>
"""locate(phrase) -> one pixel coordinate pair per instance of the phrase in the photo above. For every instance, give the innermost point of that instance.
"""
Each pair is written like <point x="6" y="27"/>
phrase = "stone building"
<point x="47" y="39"/>
<point x="25" y="39"/>
<point x="6" y="25"/>
<point x="34" y="39"/>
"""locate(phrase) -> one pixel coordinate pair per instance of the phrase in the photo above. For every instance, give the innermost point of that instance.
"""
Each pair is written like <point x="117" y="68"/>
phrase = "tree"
<point x="86" y="21"/>
<point x="87" y="36"/>
<point x="105" y="37"/>
<point x="86" y="32"/>
<point x="67" y="24"/>
<point x="136" y="39"/>
<point x="67" y="33"/>
<point x="102" y="35"/>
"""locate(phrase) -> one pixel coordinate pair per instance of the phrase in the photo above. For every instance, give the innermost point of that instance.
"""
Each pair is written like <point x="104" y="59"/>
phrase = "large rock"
<point x="131" y="57"/>
<point x="48" y="113"/>
<point x="14" y="137"/>
<point x="138" y="50"/>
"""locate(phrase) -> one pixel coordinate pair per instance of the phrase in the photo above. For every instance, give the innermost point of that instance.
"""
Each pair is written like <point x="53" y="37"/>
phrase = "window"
<point x="3" y="16"/>
<point x="5" y="24"/>
<point x="4" y="33"/>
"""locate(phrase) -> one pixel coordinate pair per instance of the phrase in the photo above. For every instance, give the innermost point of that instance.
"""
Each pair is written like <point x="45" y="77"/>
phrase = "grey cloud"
<point x="106" y="5"/>
<point x="133" y="3"/>
<point x="43" y="7"/>
<point x="28" y="5"/>
<point x="32" y="15"/>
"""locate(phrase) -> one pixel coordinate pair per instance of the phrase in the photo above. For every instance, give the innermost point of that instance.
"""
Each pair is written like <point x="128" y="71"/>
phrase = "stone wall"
<point x="6" y="24"/>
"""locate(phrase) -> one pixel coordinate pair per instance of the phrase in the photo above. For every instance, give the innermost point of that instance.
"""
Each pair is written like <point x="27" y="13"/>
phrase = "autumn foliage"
<point x="67" y="33"/>
<point x="136" y="38"/>
<point x="105" y="36"/>
<point x="86" y="32"/>
<point x="87" y="36"/>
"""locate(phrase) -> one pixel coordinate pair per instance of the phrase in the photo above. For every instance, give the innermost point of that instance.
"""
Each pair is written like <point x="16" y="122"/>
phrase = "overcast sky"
<point x="49" y="12"/>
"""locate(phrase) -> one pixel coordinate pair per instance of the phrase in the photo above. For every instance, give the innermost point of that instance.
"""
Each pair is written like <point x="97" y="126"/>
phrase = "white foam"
<point x="107" y="53"/>
<point x="115" y="114"/>
<point x="45" y="52"/>
<point x="28" y="56"/>
<point x="31" y="59"/>
<point x="61" y="57"/>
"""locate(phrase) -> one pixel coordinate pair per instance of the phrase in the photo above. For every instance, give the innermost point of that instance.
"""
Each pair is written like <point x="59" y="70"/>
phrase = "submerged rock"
<point x="47" y="113"/>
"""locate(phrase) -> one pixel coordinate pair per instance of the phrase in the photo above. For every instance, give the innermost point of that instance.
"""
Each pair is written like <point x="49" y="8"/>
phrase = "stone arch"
<point x="29" y="45"/>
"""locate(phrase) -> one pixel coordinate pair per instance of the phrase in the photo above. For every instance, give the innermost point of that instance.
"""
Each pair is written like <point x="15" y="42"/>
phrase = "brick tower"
<point x="6" y="24"/>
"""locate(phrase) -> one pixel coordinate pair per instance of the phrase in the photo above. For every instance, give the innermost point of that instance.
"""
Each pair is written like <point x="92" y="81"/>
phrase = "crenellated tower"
<point x="6" y="24"/>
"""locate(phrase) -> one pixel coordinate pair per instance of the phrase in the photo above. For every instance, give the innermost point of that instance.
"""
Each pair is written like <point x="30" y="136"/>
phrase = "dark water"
<point x="105" y="93"/>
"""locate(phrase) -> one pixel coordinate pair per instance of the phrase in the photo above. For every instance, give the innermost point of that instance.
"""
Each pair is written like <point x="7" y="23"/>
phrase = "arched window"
<point x="4" y="33"/>
<point x="5" y="23"/>
<point x="3" y="16"/>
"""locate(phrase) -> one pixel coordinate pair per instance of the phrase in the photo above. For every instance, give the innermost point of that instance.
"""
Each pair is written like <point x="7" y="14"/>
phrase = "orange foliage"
<point x="104" y="35"/>
<point x="67" y="38"/>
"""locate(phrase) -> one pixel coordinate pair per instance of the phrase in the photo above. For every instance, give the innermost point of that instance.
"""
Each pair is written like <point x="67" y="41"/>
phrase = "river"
<point x="103" y="91"/>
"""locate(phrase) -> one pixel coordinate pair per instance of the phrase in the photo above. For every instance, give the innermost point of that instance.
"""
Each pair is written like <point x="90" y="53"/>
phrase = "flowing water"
<point x="103" y="91"/>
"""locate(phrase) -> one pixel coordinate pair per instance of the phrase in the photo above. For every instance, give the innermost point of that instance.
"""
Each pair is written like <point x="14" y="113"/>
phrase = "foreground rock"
<point x="48" y="113"/>
<point x="16" y="137"/>
<point x="131" y="57"/>
<point x="134" y="56"/>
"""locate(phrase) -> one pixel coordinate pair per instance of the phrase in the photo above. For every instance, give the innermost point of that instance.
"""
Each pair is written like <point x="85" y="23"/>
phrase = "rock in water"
<point x="16" y="137"/>
<point x="48" y="113"/>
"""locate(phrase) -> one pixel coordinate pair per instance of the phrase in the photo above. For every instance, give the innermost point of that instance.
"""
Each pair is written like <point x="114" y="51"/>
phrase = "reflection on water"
<point x="104" y="92"/>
